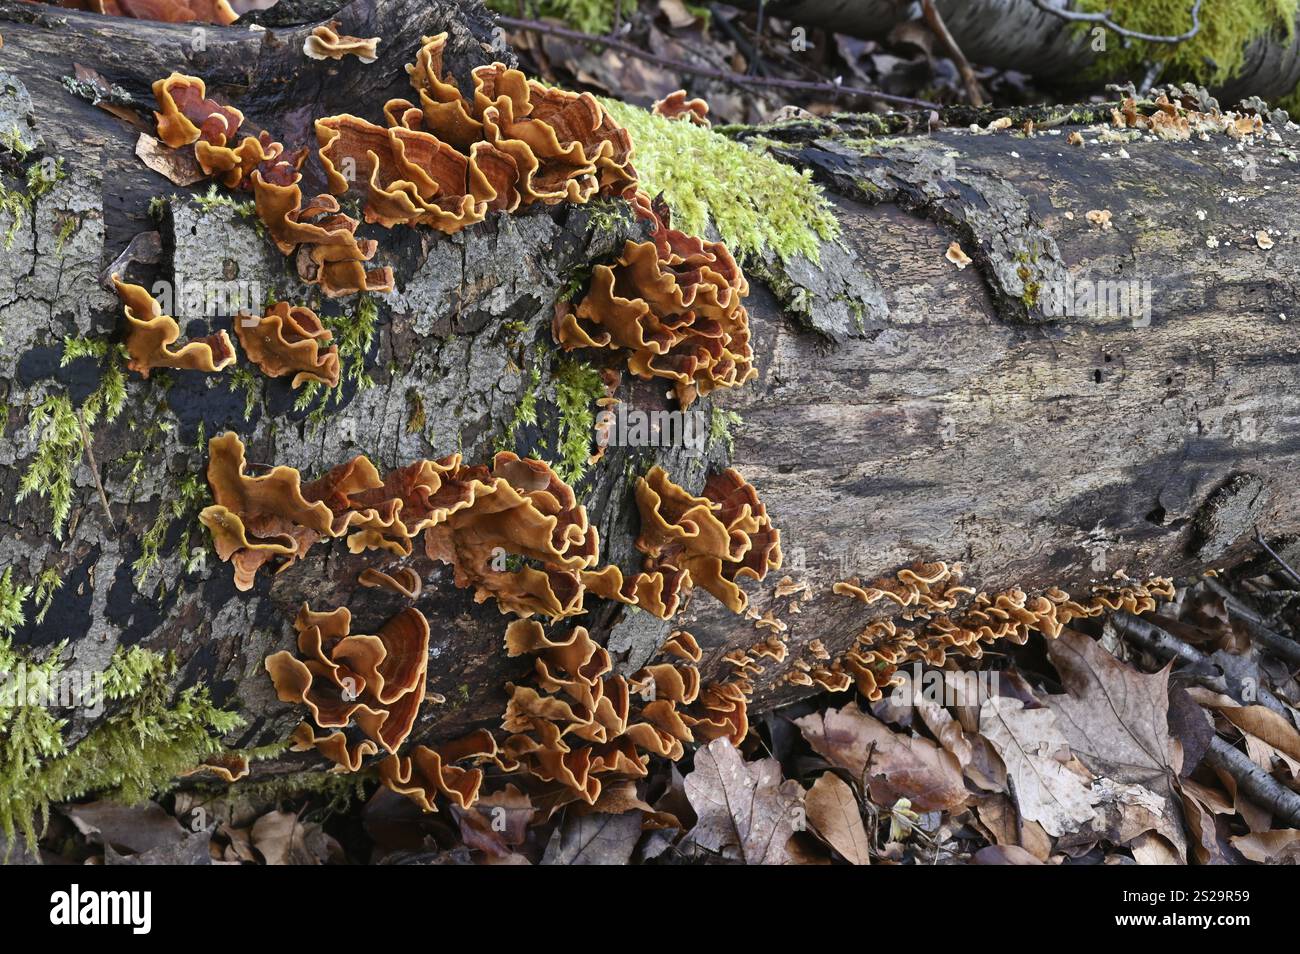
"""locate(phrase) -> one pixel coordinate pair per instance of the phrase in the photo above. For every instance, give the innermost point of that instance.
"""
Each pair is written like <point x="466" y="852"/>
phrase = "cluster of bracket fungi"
<point x="952" y="618"/>
<point x="674" y="303"/>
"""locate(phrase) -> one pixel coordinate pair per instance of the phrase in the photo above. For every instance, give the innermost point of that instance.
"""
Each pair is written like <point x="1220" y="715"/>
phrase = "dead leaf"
<point x="1004" y="855"/>
<point x="282" y="838"/>
<point x="175" y="165"/>
<point x="1268" y="847"/>
<point x="594" y="839"/>
<point x="675" y="12"/>
<point x="1035" y="753"/>
<point x="835" y="817"/>
<point x="132" y="828"/>
<point x="1151" y="849"/>
<point x="1115" y="718"/>
<point x="746" y="811"/>
<point x="900" y="766"/>
<point x="1007" y="827"/>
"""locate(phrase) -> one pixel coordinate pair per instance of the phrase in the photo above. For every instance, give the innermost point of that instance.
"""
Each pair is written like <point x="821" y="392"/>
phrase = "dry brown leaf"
<point x="1035" y="753"/>
<point x="176" y="165"/>
<point x="746" y="811"/>
<point x="1115" y="718"/>
<point x="1004" y="855"/>
<point x="1267" y="847"/>
<point x="594" y="839"/>
<point x="901" y="766"/>
<point x="999" y="816"/>
<point x="835" y="817"/>
<point x="282" y="838"/>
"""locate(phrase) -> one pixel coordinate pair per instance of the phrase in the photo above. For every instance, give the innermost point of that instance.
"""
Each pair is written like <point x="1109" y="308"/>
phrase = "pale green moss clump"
<point x="54" y="425"/>
<point x="755" y="202"/>
<point x="525" y="411"/>
<point x="577" y="387"/>
<point x="130" y="756"/>
<point x="1213" y="56"/>
<point x="589" y="16"/>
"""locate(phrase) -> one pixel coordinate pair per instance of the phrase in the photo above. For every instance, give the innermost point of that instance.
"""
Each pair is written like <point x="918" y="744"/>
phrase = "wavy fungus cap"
<point x="150" y="335"/>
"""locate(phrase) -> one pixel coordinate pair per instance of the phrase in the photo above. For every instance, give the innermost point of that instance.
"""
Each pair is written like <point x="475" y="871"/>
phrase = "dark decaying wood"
<point x="906" y="409"/>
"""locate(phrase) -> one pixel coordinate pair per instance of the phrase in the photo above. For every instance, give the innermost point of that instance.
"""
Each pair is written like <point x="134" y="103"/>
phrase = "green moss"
<point x="12" y="141"/>
<point x="213" y="200"/>
<point x="415" y="417"/>
<point x="1213" y="56"/>
<point x="756" y="202"/>
<point x="525" y="411"/>
<point x="65" y="232"/>
<point x="131" y="755"/>
<point x="721" y="425"/>
<point x="12" y="598"/>
<point x="54" y="426"/>
<point x="243" y="379"/>
<point x="16" y="204"/>
<point x="577" y="387"/>
<point x="589" y="16"/>
<point x="47" y="584"/>
<point x="191" y="495"/>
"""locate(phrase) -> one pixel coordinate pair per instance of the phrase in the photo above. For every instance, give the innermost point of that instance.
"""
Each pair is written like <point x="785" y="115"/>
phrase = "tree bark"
<point x="905" y="409"/>
<point x="1016" y="34"/>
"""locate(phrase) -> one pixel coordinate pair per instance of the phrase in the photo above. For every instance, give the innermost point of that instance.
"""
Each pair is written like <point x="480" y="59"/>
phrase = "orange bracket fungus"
<point x="929" y="592"/>
<point x="287" y="340"/>
<point x="326" y="43"/>
<point x="675" y="303"/>
<point x="448" y="161"/>
<point x="709" y="541"/>
<point x="373" y="682"/>
<point x="677" y="106"/>
<point x="581" y="727"/>
<point x="150" y="335"/>
<point x="329" y="253"/>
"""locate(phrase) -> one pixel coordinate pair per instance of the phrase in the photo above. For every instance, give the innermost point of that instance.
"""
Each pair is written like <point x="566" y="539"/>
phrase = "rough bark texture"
<point x="1015" y="34"/>
<point x="906" y="410"/>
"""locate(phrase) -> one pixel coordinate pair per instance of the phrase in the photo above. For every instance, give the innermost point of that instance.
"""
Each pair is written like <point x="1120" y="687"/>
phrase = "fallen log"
<point x="1058" y="365"/>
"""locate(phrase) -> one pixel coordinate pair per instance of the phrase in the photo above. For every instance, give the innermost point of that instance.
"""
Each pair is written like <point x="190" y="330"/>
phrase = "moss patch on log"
<point x="1219" y="46"/>
<point x="755" y="202"/>
<point x="132" y="755"/>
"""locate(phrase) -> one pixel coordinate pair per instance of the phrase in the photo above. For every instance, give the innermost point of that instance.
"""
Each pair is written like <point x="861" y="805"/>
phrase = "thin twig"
<point x="935" y="21"/>
<point x="756" y="61"/>
<point x="725" y="76"/>
<point x="1280" y="562"/>
<point x="1277" y="644"/>
<point x="94" y="467"/>
<point x="1103" y="19"/>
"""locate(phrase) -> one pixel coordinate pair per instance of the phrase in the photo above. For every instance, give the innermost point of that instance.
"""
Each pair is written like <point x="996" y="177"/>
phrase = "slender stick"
<point x="725" y="76"/>
<point x="1103" y="19"/>
<point x="1159" y="642"/>
<point x="1295" y="577"/>
<point x="935" y="20"/>
<point x="94" y="467"/>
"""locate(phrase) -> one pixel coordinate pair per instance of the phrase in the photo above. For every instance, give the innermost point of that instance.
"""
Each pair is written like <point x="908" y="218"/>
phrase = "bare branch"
<point x="1103" y="19"/>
